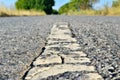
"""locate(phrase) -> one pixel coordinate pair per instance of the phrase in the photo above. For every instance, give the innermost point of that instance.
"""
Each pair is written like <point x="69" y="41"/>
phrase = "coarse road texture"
<point x="62" y="54"/>
<point x="22" y="39"/>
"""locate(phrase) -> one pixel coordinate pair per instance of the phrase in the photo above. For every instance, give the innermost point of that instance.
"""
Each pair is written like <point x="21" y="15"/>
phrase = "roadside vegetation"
<point x="13" y="12"/>
<point x="78" y="7"/>
<point x="30" y="8"/>
<point x="85" y="7"/>
<point x="39" y="5"/>
<point x="74" y="7"/>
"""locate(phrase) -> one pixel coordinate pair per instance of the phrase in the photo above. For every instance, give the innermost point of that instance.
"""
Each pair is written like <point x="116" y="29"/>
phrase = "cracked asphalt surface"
<point x="20" y="37"/>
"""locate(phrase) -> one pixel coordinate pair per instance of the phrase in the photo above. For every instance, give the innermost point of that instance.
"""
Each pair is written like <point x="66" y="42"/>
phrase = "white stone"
<point x="69" y="40"/>
<point x="94" y="76"/>
<point x="57" y="69"/>
<point x="34" y="71"/>
<point x="80" y="53"/>
<point x="48" y="60"/>
<point x="72" y="46"/>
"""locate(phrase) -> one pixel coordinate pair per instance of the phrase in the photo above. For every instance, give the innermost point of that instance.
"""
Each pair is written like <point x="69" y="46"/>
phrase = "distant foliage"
<point x="55" y="12"/>
<point x="64" y="8"/>
<point x="44" y="5"/>
<point x="77" y="5"/>
<point x="116" y="3"/>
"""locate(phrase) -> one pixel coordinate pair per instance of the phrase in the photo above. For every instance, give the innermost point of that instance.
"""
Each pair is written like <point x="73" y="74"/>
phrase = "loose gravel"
<point x="20" y="37"/>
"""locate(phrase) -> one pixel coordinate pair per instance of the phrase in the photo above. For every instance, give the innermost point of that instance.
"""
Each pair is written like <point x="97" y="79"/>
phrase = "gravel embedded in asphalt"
<point x="101" y="41"/>
<point x="98" y="37"/>
<point x="19" y="39"/>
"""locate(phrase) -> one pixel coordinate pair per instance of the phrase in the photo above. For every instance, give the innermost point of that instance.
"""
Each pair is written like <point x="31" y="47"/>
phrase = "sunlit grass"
<point x="13" y="12"/>
<point x="114" y="11"/>
<point x="81" y="12"/>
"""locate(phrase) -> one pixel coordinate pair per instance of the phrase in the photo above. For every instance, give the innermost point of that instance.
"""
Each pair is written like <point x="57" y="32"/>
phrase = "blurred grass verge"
<point x="113" y="11"/>
<point x="12" y="12"/>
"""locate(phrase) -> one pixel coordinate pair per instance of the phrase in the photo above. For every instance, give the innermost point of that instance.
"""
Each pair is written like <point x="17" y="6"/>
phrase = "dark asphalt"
<point x="98" y="36"/>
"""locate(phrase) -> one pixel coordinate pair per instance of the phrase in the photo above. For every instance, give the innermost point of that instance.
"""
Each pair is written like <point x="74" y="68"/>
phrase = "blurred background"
<point x="59" y="7"/>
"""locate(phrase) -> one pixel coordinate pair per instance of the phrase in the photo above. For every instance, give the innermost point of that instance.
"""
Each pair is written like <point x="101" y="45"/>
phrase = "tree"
<point x="64" y="8"/>
<point x="77" y="5"/>
<point x="48" y="6"/>
<point x="45" y="5"/>
<point x="116" y="3"/>
<point x="84" y="4"/>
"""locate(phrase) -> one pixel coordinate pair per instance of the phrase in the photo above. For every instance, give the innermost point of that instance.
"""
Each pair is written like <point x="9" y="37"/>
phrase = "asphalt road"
<point x="98" y="36"/>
